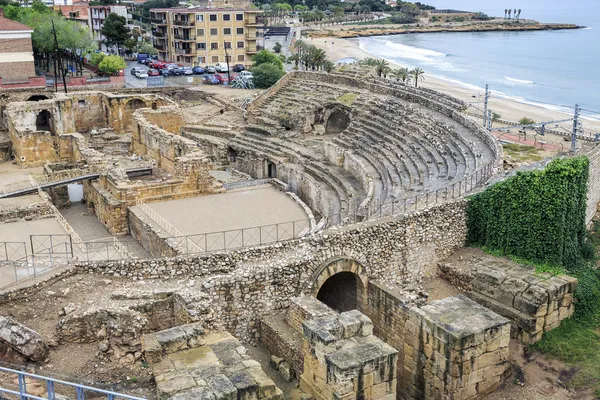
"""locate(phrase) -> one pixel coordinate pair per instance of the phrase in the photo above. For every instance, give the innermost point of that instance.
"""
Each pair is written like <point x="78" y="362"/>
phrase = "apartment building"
<point x="97" y="15"/>
<point x="205" y="36"/>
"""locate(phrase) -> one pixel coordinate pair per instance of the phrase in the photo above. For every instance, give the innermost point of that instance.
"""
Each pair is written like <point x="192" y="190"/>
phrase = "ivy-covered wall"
<point x="535" y="215"/>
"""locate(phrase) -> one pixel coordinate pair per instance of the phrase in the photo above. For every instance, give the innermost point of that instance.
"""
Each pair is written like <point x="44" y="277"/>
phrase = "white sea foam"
<point x="414" y="53"/>
<point x="515" y="80"/>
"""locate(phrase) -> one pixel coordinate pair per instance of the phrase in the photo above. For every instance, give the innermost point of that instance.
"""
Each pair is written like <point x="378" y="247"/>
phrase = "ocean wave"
<point x="414" y="53"/>
<point x="508" y="78"/>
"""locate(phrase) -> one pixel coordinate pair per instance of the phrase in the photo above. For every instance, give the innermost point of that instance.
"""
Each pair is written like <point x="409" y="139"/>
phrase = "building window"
<point x="240" y="44"/>
<point x="226" y="17"/>
<point x="200" y="46"/>
<point x="214" y="46"/>
<point x="212" y="17"/>
<point x="214" y="31"/>
<point x="200" y="17"/>
<point x="201" y="60"/>
<point x="200" y="32"/>
<point x="81" y="103"/>
<point x="215" y="59"/>
<point x="241" y="58"/>
<point x="227" y="45"/>
<point x="239" y="31"/>
<point x="239" y="17"/>
<point x="226" y="31"/>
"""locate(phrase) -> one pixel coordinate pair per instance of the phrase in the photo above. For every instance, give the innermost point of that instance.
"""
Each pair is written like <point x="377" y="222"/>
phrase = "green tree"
<point x="401" y="74"/>
<point x="96" y="58"/>
<point x="382" y="67"/>
<point x="417" y="74"/>
<point x="112" y="64"/>
<point x="266" y="57"/>
<point x="266" y="75"/>
<point x="277" y="47"/>
<point x="300" y="8"/>
<point x="495" y="117"/>
<point x="368" y="62"/>
<point x="526" y="121"/>
<point x="146" y="48"/>
<point x="115" y="30"/>
<point x="328" y="66"/>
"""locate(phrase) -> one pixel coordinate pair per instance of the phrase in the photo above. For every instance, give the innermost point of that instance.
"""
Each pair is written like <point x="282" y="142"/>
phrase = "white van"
<point x="221" y="67"/>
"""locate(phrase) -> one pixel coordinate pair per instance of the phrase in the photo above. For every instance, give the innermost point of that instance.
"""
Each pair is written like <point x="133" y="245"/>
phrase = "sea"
<point x="550" y="69"/>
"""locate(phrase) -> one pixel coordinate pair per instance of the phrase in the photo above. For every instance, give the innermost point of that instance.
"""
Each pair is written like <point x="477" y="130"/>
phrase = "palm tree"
<point x="318" y="58"/>
<point x="509" y="12"/>
<point x="328" y="66"/>
<point x="495" y="118"/>
<point x="505" y="12"/>
<point x="382" y="67"/>
<point x="368" y="62"/>
<point x="515" y="13"/>
<point x="417" y="74"/>
<point x="519" y="14"/>
<point x="401" y="74"/>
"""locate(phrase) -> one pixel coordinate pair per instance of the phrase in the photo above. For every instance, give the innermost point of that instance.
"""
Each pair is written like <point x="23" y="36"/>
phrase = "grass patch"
<point x="578" y="345"/>
<point x="347" y="99"/>
<point x="522" y="153"/>
<point x="539" y="267"/>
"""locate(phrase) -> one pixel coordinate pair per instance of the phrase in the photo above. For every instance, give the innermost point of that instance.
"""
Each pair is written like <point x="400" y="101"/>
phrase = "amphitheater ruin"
<point x="276" y="248"/>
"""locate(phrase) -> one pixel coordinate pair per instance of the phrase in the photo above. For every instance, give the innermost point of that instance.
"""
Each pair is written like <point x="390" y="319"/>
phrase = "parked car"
<point x="221" y="67"/>
<point x="210" y="80"/>
<point x="210" y="69"/>
<point x="198" y="70"/>
<point x="238" y="68"/>
<point x="153" y="72"/>
<point x="141" y="74"/>
<point x="223" y="78"/>
<point x="246" y="75"/>
<point x="165" y="72"/>
<point x="142" y="58"/>
<point x="188" y="71"/>
<point x="136" y="69"/>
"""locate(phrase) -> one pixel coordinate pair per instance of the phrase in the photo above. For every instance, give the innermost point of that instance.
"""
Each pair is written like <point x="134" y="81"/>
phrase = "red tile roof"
<point x="10" y="25"/>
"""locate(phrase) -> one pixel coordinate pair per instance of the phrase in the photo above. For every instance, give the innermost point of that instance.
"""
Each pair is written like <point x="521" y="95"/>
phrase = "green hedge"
<point x="535" y="215"/>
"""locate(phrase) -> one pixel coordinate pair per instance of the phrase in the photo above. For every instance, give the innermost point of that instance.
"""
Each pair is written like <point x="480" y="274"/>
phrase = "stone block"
<point x="380" y="390"/>
<point x="286" y="371"/>
<point x="172" y="340"/>
<point x="197" y="393"/>
<point x="151" y="348"/>
<point x="275" y="362"/>
<point x="266" y="387"/>
<point x="169" y="387"/>
<point x="22" y="340"/>
<point x="351" y="324"/>
<point x="222" y="387"/>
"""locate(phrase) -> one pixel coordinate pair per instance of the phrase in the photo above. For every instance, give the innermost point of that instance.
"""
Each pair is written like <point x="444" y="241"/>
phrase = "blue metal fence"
<point x="50" y="384"/>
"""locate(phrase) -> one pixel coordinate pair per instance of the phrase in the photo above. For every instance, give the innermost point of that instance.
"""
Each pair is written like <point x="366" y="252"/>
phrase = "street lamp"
<point x="227" y="61"/>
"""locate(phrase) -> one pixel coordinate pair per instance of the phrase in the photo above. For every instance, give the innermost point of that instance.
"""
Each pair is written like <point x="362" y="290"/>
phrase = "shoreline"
<point x="355" y="31"/>
<point x="509" y="109"/>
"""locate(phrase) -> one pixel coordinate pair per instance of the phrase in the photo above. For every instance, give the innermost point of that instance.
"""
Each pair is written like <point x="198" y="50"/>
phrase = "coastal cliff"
<point x="352" y="31"/>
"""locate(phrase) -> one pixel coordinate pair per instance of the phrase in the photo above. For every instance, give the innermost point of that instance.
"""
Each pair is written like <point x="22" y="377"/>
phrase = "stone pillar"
<point x="343" y="360"/>
<point x="454" y="348"/>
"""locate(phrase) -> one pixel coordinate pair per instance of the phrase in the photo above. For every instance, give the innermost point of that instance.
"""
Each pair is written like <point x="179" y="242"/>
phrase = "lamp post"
<point x="227" y="61"/>
<point x="332" y="59"/>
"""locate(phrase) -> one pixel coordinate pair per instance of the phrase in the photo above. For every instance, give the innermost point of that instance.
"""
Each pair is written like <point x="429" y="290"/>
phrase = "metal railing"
<point x="245" y="184"/>
<point x="163" y="223"/>
<point x="23" y="379"/>
<point x="234" y="239"/>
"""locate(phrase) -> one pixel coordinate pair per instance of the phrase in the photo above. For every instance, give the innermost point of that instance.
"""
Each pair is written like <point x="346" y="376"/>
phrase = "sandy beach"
<point x="510" y="110"/>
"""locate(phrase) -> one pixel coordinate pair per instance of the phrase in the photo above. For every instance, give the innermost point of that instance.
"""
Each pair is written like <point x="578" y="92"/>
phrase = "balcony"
<point x="184" y="23"/>
<point x="159" y="21"/>
<point x="251" y="36"/>
<point x="185" y="38"/>
<point x="159" y="34"/>
<point x="183" y="51"/>
<point x="159" y="46"/>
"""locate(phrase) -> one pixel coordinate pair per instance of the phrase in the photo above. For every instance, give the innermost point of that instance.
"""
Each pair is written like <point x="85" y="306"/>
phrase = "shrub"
<point x="266" y="75"/>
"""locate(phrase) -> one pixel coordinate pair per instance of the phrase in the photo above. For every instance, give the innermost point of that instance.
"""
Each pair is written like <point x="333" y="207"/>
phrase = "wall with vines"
<point x="535" y="215"/>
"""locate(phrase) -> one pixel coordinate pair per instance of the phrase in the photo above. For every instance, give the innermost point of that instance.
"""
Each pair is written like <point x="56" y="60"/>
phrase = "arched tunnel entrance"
<point x="342" y="292"/>
<point x="338" y="121"/>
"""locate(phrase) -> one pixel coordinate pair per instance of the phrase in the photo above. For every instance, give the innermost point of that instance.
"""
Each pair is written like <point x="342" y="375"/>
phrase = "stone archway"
<point x="338" y="121"/>
<point x="134" y="104"/>
<point x="341" y="283"/>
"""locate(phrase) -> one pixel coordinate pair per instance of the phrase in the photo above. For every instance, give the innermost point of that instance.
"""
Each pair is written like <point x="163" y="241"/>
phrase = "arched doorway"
<point x="135" y="104"/>
<point x="37" y="97"/>
<point x="342" y="292"/>
<point x="338" y="121"/>
<point x="341" y="284"/>
<point x="271" y="170"/>
<point x="43" y="121"/>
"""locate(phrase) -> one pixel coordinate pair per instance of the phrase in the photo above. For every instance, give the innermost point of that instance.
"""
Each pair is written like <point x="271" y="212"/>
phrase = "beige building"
<point x="204" y="36"/>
